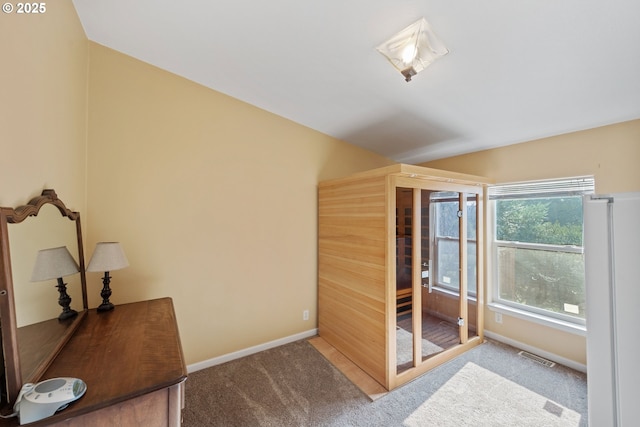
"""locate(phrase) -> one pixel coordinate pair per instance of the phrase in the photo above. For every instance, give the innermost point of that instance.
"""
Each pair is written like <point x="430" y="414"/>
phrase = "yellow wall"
<point x="610" y="153"/>
<point x="213" y="200"/>
<point x="43" y="106"/>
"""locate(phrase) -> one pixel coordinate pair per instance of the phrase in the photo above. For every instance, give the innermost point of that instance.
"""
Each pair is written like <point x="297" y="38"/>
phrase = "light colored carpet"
<point x="404" y="350"/>
<point x="293" y="385"/>
<point x="476" y="396"/>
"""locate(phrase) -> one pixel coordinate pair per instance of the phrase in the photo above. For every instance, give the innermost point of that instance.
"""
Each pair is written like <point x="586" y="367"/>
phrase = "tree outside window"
<point x="539" y="253"/>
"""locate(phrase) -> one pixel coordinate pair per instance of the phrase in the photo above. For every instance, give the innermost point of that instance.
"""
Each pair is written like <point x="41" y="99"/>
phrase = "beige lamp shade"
<point x="108" y="256"/>
<point x="413" y="49"/>
<point x="53" y="263"/>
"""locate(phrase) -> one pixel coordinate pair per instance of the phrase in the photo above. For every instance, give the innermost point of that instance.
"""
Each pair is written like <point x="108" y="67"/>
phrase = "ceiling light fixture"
<point x="413" y="49"/>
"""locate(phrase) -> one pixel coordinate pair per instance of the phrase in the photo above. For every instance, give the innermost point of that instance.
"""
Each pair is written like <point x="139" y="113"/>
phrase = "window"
<point x="537" y="247"/>
<point x="447" y="241"/>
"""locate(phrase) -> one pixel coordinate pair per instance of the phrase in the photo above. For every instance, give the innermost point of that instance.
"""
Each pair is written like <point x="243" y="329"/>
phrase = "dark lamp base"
<point x="105" y="306"/>
<point x="67" y="314"/>
<point x="65" y="301"/>
<point x="105" y="294"/>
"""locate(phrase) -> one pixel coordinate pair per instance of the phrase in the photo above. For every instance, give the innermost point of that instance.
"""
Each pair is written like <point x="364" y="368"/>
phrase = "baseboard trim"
<point x="313" y="332"/>
<point x="249" y="351"/>
<point x="531" y="349"/>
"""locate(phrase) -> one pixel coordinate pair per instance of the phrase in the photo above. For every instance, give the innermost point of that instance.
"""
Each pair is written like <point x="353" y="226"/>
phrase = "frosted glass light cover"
<point x="413" y="49"/>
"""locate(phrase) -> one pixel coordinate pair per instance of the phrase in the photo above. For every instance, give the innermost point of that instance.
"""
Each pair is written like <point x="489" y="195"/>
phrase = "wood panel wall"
<point x="352" y="235"/>
<point x="357" y="266"/>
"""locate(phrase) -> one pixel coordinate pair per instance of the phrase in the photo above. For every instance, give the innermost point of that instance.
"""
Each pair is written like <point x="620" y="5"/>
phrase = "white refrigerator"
<point x="612" y="266"/>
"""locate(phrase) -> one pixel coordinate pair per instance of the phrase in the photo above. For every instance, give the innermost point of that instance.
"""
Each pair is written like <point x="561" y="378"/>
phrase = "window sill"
<point x="539" y="319"/>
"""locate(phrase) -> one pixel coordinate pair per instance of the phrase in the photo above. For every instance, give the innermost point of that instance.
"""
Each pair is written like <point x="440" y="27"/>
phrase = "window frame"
<point x="539" y="189"/>
<point x="436" y="239"/>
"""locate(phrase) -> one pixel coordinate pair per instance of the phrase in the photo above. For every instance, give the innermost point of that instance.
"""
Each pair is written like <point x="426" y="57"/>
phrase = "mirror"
<point x="33" y="299"/>
<point x="32" y="335"/>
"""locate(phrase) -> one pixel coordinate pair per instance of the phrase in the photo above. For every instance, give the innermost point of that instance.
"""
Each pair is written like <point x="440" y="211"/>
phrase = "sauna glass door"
<point x="404" y="278"/>
<point x="435" y="272"/>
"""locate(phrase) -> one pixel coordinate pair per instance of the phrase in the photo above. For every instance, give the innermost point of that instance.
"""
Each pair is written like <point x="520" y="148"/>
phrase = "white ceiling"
<point x="517" y="70"/>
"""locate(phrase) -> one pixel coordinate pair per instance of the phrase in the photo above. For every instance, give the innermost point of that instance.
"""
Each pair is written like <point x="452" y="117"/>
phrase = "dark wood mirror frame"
<point x="55" y="334"/>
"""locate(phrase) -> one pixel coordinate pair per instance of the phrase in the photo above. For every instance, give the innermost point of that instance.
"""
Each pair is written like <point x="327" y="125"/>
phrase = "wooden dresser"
<point x="131" y="360"/>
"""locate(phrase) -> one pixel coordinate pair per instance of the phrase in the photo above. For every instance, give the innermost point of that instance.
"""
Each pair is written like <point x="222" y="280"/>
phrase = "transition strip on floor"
<point x="360" y="378"/>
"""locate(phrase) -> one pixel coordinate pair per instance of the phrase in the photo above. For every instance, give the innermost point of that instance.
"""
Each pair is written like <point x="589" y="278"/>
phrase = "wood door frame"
<point x="395" y="379"/>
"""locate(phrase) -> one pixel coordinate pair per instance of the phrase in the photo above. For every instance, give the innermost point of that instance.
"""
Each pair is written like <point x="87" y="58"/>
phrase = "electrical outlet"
<point x="498" y="317"/>
<point x="305" y="315"/>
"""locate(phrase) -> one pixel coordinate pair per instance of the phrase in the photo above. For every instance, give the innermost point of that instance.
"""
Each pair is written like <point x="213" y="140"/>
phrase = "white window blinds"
<point x="564" y="187"/>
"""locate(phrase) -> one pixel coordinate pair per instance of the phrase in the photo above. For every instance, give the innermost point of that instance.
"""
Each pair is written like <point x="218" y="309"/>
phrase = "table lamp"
<point x="108" y="256"/>
<point x="55" y="263"/>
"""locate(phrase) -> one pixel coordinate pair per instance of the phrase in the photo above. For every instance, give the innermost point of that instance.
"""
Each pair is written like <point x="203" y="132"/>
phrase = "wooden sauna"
<point x="400" y="268"/>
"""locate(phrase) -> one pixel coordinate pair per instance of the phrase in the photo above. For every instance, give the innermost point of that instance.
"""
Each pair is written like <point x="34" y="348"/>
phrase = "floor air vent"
<point x="538" y="359"/>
